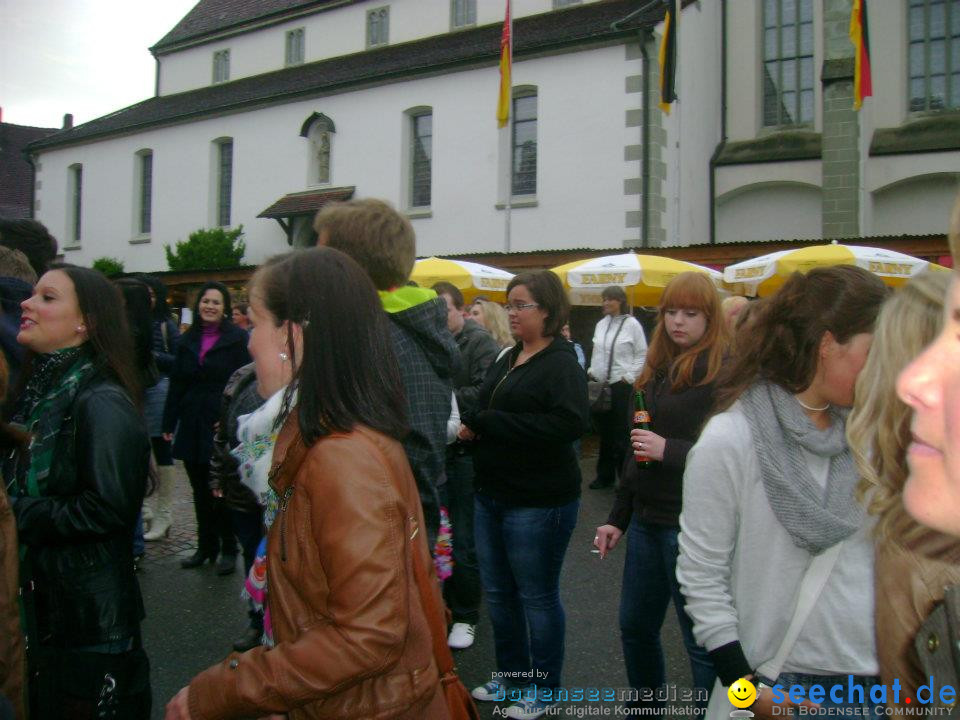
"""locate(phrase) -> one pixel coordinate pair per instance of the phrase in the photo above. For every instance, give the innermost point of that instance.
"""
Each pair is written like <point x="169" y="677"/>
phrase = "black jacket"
<point x="526" y="422"/>
<point x="478" y="350"/>
<point x="12" y="292"/>
<point x="428" y="358"/>
<point x="193" y="401"/>
<point x="165" y="344"/>
<point x="79" y="535"/>
<point x="656" y="493"/>
<point x="240" y="397"/>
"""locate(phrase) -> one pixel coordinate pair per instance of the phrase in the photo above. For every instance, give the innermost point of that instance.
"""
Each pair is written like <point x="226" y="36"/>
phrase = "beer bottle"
<point x="641" y="421"/>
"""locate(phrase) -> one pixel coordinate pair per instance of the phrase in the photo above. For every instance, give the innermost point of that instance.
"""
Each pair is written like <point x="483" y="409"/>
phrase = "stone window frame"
<point x="802" y="59"/>
<point x="926" y="43"/>
<point x="465" y="11"/>
<point x="223" y="185"/>
<point x="415" y="204"/>
<point x="520" y="93"/>
<point x="221" y="66"/>
<point x="378" y="27"/>
<point x="75" y="204"/>
<point x="294" y="48"/>
<point x="143" y="211"/>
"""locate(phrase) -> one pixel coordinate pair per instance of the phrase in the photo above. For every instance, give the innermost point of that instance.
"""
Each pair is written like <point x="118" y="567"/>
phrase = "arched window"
<point x="319" y="130"/>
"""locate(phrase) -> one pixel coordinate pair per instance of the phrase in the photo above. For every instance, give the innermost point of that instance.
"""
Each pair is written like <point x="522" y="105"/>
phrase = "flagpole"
<point x="676" y="80"/>
<point x="508" y="217"/>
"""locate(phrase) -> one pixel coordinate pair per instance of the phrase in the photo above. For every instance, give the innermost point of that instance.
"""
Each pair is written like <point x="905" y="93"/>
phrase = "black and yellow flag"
<point x="668" y="59"/>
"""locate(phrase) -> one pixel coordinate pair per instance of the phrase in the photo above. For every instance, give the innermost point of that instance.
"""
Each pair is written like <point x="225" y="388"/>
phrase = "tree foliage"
<point x="108" y="266"/>
<point x="211" y="249"/>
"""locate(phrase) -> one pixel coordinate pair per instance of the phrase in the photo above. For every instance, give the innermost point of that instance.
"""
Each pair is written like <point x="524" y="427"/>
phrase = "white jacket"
<point x="740" y="571"/>
<point x="628" y="355"/>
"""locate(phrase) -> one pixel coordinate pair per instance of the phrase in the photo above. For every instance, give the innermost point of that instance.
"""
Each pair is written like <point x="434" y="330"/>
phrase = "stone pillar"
<point x="841" y="148"/>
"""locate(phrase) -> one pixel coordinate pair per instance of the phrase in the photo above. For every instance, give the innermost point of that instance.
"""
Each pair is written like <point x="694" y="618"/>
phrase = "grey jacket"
<point x="478" y="350"/>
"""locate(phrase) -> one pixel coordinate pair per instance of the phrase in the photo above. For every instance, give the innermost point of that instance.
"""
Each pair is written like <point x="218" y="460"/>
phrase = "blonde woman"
<point x="913" y="563"/>
<point x="494" y="318"/>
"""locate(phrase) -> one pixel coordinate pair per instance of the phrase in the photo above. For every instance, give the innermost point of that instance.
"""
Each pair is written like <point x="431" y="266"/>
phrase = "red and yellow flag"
<point x="860" y="37"/>
<point x="506" y="62"/>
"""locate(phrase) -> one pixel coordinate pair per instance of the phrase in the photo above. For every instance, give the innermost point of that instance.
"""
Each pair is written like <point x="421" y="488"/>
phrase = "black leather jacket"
<point x="80" y="534"/>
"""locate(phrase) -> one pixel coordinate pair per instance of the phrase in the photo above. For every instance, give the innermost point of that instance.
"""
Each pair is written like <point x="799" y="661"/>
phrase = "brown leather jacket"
<point x="909" y="582"/>
<point x="352" y="640"/>
<point x="11" y="639"/>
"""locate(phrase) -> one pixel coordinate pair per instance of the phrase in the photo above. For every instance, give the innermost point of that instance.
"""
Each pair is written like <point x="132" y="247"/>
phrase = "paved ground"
<point x="193" y="616"/>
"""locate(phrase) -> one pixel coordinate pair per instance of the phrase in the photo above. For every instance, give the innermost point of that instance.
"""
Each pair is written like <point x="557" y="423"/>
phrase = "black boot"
<point x="198" y="559"/>
<point x="227" y="565"/>
<point x="249" y="640"/>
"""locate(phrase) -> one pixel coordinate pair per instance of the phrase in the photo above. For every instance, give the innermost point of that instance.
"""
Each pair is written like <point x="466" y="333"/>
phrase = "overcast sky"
<point x="86" y="57"/>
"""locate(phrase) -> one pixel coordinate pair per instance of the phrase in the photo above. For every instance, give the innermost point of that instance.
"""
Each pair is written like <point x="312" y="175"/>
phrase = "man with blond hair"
<point x="383" y="243"/>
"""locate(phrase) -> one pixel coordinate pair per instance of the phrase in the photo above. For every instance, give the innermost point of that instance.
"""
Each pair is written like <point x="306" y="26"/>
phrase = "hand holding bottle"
<point x="647" y="444"/>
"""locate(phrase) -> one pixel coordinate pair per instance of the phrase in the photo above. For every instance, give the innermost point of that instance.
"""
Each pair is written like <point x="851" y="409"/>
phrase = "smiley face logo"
<point x="742" y="693"/>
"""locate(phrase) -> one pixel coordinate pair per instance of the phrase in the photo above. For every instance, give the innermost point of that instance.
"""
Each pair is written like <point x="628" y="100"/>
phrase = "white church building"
<point x="266" y="110"/>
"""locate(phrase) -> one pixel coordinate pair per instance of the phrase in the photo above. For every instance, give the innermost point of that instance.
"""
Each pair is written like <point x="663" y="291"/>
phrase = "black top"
<point x="193" y="402"/>
<point x="527" y="419"/>
<point x="655" y="493"/>
<point x="79" y="532"/>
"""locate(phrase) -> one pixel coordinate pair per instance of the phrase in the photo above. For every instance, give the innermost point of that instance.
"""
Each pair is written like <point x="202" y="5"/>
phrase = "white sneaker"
<point x="490" y="692"/>
<point x="461" y="636"/>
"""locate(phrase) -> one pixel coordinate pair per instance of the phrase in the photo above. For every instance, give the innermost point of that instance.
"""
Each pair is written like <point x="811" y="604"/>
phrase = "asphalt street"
<point x="193" y="616"/>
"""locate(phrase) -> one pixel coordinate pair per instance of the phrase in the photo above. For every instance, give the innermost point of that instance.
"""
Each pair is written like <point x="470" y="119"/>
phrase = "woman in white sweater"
<point x="770" y="485"/>
<point x="619" y="351"/>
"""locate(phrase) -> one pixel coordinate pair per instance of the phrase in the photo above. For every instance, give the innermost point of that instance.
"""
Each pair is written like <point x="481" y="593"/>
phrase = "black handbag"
<point x="598" y="391"/>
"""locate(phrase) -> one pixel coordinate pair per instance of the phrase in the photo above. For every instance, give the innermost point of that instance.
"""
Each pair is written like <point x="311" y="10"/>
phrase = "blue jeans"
<point x="520" y="552"/>
<point x="649" y="582"/>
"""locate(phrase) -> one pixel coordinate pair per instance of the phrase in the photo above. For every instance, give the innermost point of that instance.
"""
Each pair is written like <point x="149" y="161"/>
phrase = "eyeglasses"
<point x="519" y="306"/>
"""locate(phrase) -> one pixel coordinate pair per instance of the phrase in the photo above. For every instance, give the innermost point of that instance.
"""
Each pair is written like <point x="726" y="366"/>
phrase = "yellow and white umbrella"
<point x="471" y="278"/>
<point x="765" y="275"/>
<point x="643" y="277"/>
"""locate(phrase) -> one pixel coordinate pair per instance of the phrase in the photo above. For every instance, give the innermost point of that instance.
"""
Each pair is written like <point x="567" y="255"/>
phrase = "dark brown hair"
<point x="348" y="374"/>
<point x="445" y="288"/>
<point x="375" y="235"/>
<point x="615" y="292"/>
<point x="197" y="324"/>
<point x="547" y="292"/>
<point x="687" y="291"/>
<point x="108" y="334"/>
<point x="780" y="342"/>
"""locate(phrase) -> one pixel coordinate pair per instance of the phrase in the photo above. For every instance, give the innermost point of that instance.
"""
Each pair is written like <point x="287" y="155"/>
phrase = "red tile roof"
<point x="306" y="203"/>
<point x="16" y="178"/>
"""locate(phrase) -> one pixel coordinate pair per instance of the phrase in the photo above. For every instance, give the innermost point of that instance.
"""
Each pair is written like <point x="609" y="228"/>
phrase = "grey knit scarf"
<point x="816" y="518"/>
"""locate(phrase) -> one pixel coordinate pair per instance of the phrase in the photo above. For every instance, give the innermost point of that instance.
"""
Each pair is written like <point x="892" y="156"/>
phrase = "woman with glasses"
<point x="531" y="409"/>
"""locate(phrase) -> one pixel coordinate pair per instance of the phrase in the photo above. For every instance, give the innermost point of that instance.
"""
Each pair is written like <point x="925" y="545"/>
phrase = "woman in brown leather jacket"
<point x="349" y="634"/>
<point x="11" y="638"/>
<point x="913" y="563"/>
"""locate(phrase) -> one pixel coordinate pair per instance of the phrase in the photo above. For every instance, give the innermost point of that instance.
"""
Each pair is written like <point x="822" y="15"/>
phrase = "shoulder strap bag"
<point x="459" y="703"/>
<point x="598" y="391"/>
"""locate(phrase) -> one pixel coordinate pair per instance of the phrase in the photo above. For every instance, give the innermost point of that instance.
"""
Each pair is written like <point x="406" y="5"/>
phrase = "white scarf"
<point x="257" y="433"/>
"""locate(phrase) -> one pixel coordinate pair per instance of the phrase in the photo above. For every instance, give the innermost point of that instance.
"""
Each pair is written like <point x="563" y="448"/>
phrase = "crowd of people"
<point x="375" y="450"/>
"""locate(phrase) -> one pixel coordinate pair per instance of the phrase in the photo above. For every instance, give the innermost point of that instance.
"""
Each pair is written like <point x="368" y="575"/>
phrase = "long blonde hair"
<point x="878" y="428"/>
<point x="495" y="321"/>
